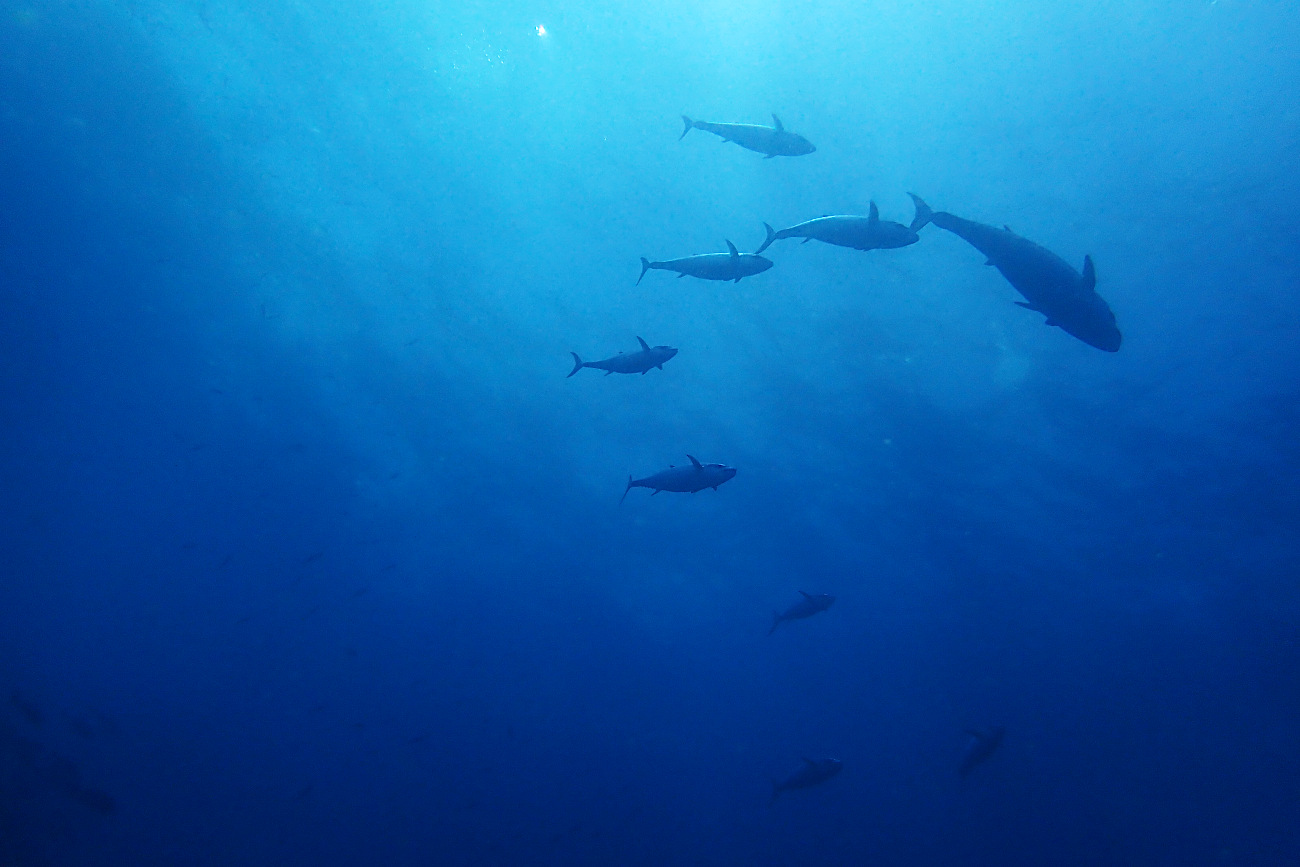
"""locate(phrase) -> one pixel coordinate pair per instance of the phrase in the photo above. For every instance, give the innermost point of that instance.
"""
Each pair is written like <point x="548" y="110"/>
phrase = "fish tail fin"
<point x="767" y="242"/>
<point x="625" y="490"/>
<point x="577" y="364"/>
<point x="776" y="621"/>
<point x="645" y="266"/>
<point x="923" y="213"/>
<point x="690" y="125"/>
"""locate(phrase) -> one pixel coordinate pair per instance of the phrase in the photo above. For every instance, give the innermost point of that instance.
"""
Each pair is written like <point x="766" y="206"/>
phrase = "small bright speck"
<point x="541" y="31"/>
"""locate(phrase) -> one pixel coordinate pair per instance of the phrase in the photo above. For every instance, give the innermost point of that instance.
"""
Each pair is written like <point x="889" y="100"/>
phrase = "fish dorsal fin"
<point x="805" y="595"/>
<point x="873" y="215"/>
<point x="695" y="462"/>
<point x="644" y="345"/>
<point x="1089" y="274"/>
<point x="735" y="254"/>
<point x="777" y="125"/>
<point x="1008" y="228"/>
<point x="809" y="761"/>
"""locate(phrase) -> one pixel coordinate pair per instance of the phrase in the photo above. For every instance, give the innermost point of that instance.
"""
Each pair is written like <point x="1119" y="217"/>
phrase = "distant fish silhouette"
<point x="809" y="606"/>
<point x="813" y="773"/>
<point x="772" y="141"/>
<point x="683" y="480"/>
<point x="859" y="233"/>
<point x="731" y="265"/>
<point x="648" y="358"/>
<point x="982" y="746"/>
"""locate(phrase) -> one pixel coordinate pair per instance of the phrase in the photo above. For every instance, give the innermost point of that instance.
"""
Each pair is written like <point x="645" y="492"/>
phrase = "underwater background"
<point x="311" y="554"/>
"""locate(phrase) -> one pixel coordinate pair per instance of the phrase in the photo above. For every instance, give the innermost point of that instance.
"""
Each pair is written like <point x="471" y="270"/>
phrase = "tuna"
<point x="683" y="480"/>
<point x="859" y="233"/>
<point x="731" y="265"/>
<point x="1049" y="284"/>
<point x="772" y="141"/>
<point x="641" y="361"/>
<point x="982" y="746"/>
<point x="813" y="773"/>
<point x="806" y="607"/>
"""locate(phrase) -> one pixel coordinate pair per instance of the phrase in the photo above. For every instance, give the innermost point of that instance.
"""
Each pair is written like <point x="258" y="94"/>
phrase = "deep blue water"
<point x="310" y="553"/>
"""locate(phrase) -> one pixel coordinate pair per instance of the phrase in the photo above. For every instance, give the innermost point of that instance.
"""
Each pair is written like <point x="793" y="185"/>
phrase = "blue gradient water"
<point x="310" y="553"/>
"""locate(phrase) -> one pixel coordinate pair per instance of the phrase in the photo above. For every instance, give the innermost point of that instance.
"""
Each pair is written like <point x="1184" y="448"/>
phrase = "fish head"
<point x="666" y="352"/>
<point x="725" y="472"/>
<point x="762" y="263"/>
<point x="798" y="146"/>
<point x="830" y="767"/>
<point x="824" y="600"/>
<point x="1098" y="328"/>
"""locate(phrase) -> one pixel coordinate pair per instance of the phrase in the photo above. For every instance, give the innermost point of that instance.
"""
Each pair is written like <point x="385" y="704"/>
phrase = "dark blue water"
<point x="310" y="553"/>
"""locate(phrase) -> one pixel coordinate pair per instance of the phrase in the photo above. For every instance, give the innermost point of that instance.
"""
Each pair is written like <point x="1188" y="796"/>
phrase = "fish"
<point x="683" y="480"/>
<point x="731" y="265"/>
<point x="806" y="607"/>
<point x="772" y="141"/>
<point x="982" y="746"/>
<point x="641" y="361"/>
<point x="1050" y="285"/>
<point x="813" y="773"/>
<point x="859" y="233"/>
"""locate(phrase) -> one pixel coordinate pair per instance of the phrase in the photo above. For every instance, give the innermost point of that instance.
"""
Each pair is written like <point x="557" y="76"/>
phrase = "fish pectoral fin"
<point x="660" y="366"/>
<point x="990" y="262"/>
<point x="1026" y="305"/>
<point x="608" y="372"/>
<point x="715" y="487"/>
<point x="805" y="595"/>
<point x="644" y="372"/>
<point x="808" y="760"/>
<point x="657" y="490"/>
<point x="1053" y="323"/>
<point x="769" y="156"/>
<point x="806" y="239"/>
<point x="681" y="274"/>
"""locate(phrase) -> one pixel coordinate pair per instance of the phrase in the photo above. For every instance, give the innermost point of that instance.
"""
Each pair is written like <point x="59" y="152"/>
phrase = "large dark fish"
<point x="683" y="480"/>
<point x="813" y="773"/>
<point x="806" y="607"/>
<point x="731" y="265"/>
<point x="772" y="140"/>
<point x="982" y="746"/>
<point x="1049" y="284"/>
<point x="648" y="358"/>
<point x="860" y="233"/>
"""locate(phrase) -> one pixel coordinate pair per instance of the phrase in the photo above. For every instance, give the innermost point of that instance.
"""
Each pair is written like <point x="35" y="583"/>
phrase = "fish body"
<point x="684" y="480"/>
<point x="813" y="773"/>
<point x="732" y="265"/>
<point x="858" y="233"/>
<point x="771" y="141"/>
<point x="982" y="746"/>
<point x="642" y="361"/>
<point x="804" y="608"/>
<point x="1049" y="284"/>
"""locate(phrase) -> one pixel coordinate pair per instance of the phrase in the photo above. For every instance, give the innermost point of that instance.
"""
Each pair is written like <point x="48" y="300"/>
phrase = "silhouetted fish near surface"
<point x="813" y="773"/>
<point x="809" y="606"/>
<point x="683" y="480"/>
<point x="1049" y="284"/>
<point x="646" y="359"/>
<point x="773" y="141"/>
<point x="859" y="233"/>
<point x="982" y="746"/>
<point x="732" y="265"/>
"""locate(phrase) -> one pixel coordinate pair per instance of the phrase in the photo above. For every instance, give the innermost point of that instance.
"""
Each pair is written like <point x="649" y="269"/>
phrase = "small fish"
<point x="859" y="233"/>
<point x="683" y="480"/>
<point x="731" y="265"/>
<point x="813" y="773"/>
<point x="642" y="361"/>
<point x="982" y="746"/>
<point x="772" y="141"/>
<point x="807" y="607"/>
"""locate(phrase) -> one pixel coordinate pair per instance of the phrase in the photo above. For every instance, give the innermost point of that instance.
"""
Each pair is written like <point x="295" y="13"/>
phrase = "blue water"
<point x="310" y="553"/>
